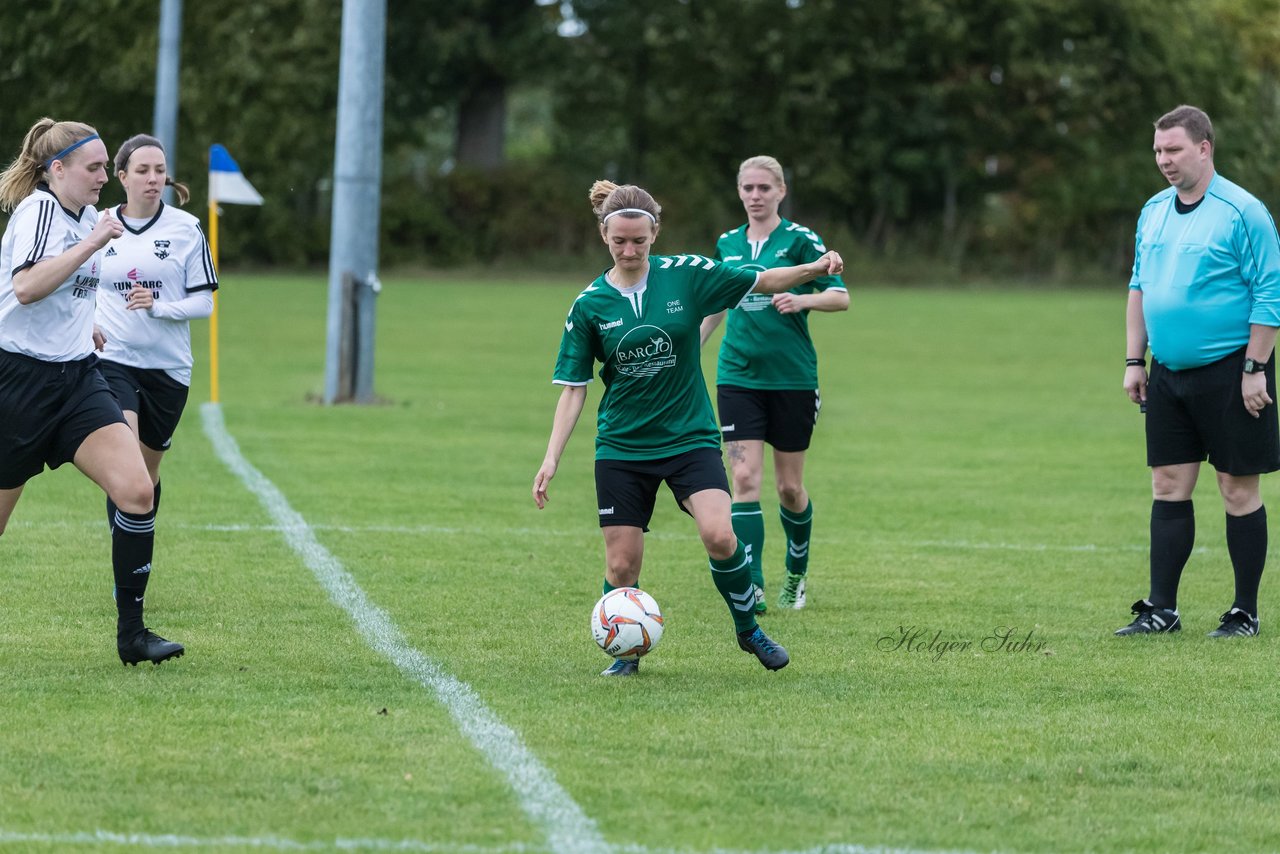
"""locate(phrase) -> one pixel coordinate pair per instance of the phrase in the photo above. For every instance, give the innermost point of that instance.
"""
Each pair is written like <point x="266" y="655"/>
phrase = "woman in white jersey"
<point x="640" y="321"/>
<point x="55" y="407"/>
<point x="767" y="373"/>
<point x="156" y="277"/>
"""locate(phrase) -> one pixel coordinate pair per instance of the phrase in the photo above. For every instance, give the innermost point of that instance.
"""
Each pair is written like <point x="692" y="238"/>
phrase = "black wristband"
<point x="1135" y="363"/>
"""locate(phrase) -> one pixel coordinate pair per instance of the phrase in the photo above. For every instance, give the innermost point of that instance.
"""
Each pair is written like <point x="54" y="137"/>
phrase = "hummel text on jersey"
<point x="604" y="327"/>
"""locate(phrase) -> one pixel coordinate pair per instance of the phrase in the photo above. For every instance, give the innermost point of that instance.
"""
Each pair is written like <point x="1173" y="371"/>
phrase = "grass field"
<point x="410" y="667"/>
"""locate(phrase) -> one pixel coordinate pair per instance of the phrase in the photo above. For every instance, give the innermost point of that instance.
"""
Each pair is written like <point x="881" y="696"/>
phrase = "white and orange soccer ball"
<point x="626" y="623"/>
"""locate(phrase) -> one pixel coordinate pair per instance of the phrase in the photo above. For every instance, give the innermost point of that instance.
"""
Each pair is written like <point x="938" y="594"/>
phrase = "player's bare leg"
<point x="8" y="500"/>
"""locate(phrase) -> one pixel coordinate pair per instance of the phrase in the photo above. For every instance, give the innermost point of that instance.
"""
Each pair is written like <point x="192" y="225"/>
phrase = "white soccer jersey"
<point x="169" y="256"/>
<point x="59" y="327"/>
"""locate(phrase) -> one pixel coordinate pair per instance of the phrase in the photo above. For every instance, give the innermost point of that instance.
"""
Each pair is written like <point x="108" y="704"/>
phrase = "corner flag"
<point x="226" y="182"/>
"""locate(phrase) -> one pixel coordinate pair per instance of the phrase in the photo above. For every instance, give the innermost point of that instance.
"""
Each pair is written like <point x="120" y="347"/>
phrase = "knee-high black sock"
<point x="1247" y="544"/>
<point x="132" y="543"/>
<point x="1173" y="535"/>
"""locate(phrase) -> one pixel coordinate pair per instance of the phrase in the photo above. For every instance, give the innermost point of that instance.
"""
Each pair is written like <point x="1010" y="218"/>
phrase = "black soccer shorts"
<point x="626" y="490"/>
<point x="784" y="418"/>
<point x="157" y="398"/>
<point x="47" y="409"/>
<point x="1199" y="413"/>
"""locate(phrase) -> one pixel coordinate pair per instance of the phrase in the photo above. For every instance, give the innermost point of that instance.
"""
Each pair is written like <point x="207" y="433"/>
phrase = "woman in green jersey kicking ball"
<point x="640" y="320"/>
<point x="767" y="373"/>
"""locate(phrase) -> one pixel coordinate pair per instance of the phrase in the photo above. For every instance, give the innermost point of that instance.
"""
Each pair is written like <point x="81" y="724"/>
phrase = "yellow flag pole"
<point x="213" y="318"/>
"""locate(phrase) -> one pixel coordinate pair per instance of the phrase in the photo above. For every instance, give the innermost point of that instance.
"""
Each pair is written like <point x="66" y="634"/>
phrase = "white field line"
<point x="278" y="843"/>
<point x="476" y="531"/>
<point x="566" y="826"/>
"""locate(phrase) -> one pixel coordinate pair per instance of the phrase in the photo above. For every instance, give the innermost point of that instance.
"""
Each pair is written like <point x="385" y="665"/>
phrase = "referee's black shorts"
<point x="626" y="490"/>
<point x="784" y="418"/>
<point x="1198" y="413"/>
<point x="157" y="398"/>
<point x="47" y="409"/>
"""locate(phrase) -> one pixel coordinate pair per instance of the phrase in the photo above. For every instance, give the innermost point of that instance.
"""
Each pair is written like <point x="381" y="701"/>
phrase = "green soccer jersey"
<point x="646" y="338"/>
<point x="763" y="349"/>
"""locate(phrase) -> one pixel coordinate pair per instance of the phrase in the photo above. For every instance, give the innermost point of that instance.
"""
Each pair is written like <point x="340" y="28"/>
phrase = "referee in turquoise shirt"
<point x="1205" y="295"/>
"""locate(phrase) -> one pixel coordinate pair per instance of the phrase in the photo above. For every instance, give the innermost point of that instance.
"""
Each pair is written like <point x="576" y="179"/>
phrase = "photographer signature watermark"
<point x="927" y="642"/>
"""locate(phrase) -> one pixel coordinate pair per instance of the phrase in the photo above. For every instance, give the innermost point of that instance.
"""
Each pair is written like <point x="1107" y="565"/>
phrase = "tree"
<point x="465" y="55"/>
<point x="985" y="133"/>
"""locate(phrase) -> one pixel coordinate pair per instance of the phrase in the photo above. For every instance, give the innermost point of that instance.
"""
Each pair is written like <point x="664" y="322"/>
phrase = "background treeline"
<point x="958" y="136"/>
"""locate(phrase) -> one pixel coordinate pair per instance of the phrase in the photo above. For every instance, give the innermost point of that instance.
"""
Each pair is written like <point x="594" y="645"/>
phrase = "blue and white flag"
<point x="227" y="183"/>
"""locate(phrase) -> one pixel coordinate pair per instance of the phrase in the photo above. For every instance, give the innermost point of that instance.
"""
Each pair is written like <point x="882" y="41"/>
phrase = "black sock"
<point x="1173" y="535"/>
<point x="132" y="543"/>
<point x="1247" y="544"/>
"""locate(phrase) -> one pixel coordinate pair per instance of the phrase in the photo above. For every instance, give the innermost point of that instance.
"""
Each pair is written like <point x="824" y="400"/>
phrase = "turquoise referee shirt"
<point x="1207" y="275"/>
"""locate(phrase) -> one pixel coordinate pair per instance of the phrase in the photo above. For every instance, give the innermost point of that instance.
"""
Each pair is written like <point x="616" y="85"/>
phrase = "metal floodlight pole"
<point x="357" y="179"/>
<point x="164" y="119"/>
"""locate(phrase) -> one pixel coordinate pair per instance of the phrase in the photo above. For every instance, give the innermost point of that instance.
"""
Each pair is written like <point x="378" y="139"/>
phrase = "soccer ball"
<point x="626" y="623"/>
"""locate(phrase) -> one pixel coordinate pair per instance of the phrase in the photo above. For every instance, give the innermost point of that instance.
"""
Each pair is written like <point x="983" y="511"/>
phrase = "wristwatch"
<point x="1253" y="366"/>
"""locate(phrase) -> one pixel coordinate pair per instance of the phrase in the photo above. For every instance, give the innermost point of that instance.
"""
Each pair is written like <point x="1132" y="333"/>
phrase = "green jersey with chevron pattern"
<point x="646" y="339"/>
<point x="763" y="349"/>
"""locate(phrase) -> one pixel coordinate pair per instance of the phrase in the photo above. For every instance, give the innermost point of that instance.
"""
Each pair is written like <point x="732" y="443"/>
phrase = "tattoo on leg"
<point x="735" y="452"/>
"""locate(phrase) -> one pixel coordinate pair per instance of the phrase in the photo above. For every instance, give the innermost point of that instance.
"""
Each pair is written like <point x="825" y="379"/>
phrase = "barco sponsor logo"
<point x="644" y="351"/>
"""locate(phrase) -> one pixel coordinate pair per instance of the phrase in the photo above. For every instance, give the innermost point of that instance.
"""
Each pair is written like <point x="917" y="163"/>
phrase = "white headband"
<point x="651" y="217"/>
